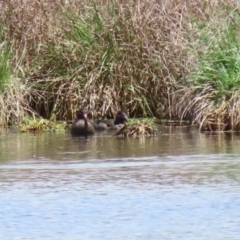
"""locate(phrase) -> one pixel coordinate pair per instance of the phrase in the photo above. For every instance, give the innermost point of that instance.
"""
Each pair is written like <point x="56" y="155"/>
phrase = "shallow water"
<point x="179" y="185"/>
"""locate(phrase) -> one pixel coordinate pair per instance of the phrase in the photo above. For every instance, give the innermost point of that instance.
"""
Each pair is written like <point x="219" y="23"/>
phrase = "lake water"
<point x="181" y="184"/>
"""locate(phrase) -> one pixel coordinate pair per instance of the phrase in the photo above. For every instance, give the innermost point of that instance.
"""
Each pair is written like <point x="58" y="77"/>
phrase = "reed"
<point x="105" y="55"/>
<point x="209" y="97"/>
<point x="154" y="58"/>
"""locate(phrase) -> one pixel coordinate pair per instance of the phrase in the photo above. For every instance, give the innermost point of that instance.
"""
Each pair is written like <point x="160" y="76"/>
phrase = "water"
<point x="179" y="185"/>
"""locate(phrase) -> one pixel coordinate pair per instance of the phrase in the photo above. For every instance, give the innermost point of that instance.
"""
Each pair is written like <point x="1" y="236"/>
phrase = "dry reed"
<point x="107" y="55"/>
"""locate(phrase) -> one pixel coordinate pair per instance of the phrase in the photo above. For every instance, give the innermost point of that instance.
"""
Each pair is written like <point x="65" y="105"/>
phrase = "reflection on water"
<point x="179" y="185"/>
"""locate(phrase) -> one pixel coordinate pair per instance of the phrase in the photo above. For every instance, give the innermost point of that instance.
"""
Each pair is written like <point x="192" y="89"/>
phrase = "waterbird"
<point x="111" y="124"/>
<point x="82" y="126"/>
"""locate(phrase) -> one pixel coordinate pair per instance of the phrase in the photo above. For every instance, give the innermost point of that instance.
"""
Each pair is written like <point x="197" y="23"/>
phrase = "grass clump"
<point x="220" y="68"/>
<point x="14" y="102"/>
<point x="40" y="125"/>
<point x="139" y="127"/>
<point x="210" y="98"/>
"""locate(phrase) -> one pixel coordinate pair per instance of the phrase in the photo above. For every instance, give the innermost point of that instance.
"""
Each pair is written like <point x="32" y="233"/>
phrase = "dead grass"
<point x="209" y="96"/>
<point x="14" y="103"/>
<point x="41" y="125"/>
<point x="139" y="127"/>
<point x="106" y="55"/>
<point x="202" y="109"/>
<point x="111" y="55"/>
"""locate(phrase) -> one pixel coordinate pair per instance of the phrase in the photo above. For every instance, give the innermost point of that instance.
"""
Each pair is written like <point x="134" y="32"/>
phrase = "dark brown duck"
<point x="111" y="124"/>
<point x="82" y="126"/>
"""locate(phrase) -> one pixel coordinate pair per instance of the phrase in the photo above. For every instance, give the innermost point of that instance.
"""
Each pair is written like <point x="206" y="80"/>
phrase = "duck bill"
<point x="85" y="116"/>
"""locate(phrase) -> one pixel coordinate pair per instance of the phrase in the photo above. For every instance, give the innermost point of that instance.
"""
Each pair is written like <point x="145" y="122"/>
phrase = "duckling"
<point x="111" y="124"/>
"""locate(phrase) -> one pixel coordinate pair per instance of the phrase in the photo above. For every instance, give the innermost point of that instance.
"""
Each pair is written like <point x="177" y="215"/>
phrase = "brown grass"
<point x="106" y="55"/>
<point x="212" y="105"/>
<point x="132" y="63"/>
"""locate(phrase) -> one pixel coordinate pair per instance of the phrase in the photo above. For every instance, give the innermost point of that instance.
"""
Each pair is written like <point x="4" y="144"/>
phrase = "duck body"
<point x="82" y="126"/>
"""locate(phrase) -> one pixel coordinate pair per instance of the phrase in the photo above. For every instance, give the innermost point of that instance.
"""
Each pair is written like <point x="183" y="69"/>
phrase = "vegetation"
<point x="211" y="92"/>
<point x="41" y="125"/>
<point x="168" y="59"/>
<point x="139" y="127"/>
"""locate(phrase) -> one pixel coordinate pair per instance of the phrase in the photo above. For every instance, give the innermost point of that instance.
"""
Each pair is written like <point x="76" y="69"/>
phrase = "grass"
<point x="220" y="67"/>
<point x="210" y="97"/>
<point x="40" y="125"/>
<point x="5" y="60"/>
<point x="89" y="54"/>
<point x="4" y="70"/>
<point x="139" y="127"/>
<point x="154" y="58"/>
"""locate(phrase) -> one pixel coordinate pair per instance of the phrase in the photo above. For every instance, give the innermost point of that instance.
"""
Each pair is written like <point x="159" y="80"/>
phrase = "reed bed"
<point x="104" y="55"/>
<point x="210" y="96"/>
<point x="144" y="57"/>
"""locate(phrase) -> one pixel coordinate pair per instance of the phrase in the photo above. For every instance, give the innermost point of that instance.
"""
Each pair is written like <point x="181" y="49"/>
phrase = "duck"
<point x="111" y="124"/>
<point x="82" y="126"/>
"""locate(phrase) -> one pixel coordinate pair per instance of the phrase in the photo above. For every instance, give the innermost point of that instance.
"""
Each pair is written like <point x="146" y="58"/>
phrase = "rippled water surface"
<point x="179" y="185"/>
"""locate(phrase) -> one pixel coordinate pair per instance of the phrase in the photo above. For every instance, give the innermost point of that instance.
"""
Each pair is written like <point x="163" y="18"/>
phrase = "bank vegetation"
<point x="169" y="59"/>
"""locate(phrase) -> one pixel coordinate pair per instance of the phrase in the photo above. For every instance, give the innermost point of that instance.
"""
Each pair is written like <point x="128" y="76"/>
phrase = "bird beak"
<point x="85" y="116"/>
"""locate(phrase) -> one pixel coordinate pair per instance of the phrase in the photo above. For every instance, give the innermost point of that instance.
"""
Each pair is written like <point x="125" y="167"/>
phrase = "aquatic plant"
<point x="41" y="125"/>
<point x="139" y="127"/>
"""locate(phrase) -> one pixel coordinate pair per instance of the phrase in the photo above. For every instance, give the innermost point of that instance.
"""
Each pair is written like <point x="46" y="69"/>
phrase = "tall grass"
<point x="5" y="61"/>
<point x="210" y="95"/>
<point x="220" y="67"/>
<point x="4" y="69"/>
<point x="110" y="55"/>
<point x="105" y="56"/>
